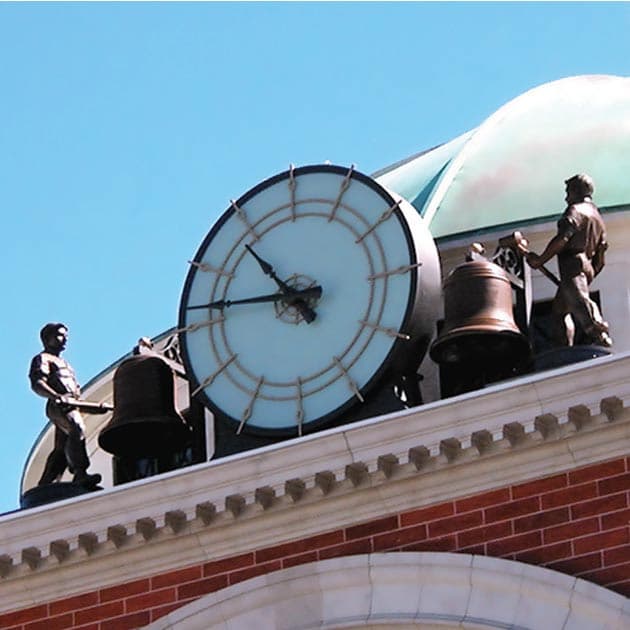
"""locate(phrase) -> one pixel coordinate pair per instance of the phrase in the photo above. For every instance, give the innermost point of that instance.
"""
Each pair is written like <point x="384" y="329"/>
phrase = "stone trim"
<point x="573" y="522"/>
<point x="452" y="590"/>
<point x="328" y="480"/>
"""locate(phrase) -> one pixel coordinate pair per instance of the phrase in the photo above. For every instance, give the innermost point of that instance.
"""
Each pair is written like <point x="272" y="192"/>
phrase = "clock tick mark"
<point x="351" y="383"/>
<point x="300" y="410"/>
<point x="386" y="215"/>
<point x="209" y="269"/>
<point x="292" y="185"/>
<point x="345" y="184"/>
<point x="390" y="332"/>
<point x="210" y="379"/>
<point x="243" y="217"/>
<point x="198" y="325"/>
<point x="247" y="413"/>
<point x="393" y="272"/>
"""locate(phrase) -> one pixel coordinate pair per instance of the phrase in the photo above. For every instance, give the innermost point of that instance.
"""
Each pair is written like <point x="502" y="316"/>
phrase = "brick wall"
<point x="576" y="522"/>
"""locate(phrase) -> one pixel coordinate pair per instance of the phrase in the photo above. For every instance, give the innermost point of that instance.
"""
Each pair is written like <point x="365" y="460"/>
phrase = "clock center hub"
<point x="286" y="310"/>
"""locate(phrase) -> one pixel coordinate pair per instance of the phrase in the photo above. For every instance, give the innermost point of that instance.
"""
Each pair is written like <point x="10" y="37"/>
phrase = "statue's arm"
<point x="554" y="247"/>
<point x="42" y="388"/>
<point x="599" y="259"/>
<point x="568" y="225"/>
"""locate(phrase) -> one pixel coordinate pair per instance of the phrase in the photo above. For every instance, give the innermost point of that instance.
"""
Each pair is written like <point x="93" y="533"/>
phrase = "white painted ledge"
<point x="510" y="433"/>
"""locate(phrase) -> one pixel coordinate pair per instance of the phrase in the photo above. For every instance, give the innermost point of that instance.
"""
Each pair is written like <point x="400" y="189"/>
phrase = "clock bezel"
<point x="398" y="347"/>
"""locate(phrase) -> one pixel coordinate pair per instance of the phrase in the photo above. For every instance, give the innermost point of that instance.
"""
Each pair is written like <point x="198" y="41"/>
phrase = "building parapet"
<point x="555" y="421"/>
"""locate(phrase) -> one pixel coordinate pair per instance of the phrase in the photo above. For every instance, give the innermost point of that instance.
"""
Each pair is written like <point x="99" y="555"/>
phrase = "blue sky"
<point x="125" y="129"/>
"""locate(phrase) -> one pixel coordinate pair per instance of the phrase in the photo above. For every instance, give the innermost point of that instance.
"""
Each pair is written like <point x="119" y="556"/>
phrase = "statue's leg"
<point x="563" y="329"/>
<point x="76" y="453"/>
<point x="71" y="423"/>
<point x="586" y="312"/>
<point x="56" y="461"/>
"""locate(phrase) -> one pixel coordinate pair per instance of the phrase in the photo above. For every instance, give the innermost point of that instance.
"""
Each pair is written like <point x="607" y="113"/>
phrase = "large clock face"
<point x="302" y="295"/>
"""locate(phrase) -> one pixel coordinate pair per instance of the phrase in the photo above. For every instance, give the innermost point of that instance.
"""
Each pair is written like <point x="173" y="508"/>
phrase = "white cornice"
<point x="515" y="431"/>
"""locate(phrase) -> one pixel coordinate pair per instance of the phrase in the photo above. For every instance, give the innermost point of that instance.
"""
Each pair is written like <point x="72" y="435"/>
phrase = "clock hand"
<point x="306" y="311"/>
<point x="268" y="271"/>
<point x="294" y="296"/>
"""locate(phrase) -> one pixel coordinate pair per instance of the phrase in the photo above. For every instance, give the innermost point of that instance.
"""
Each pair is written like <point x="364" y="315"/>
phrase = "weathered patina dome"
<point x="510" y="170"/>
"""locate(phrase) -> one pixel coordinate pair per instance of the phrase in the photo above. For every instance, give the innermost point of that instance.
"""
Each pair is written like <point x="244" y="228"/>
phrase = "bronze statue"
<point x="53" y="378"/>
<point x="580" y="245"/>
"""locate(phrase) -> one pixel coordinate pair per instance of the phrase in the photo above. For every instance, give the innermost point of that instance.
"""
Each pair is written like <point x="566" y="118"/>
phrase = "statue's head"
<point x="578" y="187"/>
<point x="54" y="336"/>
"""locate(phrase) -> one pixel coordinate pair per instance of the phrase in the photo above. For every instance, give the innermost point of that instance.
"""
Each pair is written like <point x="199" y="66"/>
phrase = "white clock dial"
<point x="302" y="295"/>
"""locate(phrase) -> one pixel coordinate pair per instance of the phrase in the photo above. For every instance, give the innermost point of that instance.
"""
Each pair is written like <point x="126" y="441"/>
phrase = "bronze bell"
<point x="479" y="325"/>
<point x="145" y="422"/>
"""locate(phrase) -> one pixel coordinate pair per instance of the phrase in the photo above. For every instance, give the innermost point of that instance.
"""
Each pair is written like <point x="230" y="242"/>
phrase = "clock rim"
<point x="327" y="420"/>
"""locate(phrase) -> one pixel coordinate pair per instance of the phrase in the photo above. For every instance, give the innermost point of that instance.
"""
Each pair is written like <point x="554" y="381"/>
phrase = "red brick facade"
<point x="576" y="522"/>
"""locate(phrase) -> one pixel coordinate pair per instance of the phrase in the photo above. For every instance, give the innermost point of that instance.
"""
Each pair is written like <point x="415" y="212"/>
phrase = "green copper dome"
<point x="511" y="169"/>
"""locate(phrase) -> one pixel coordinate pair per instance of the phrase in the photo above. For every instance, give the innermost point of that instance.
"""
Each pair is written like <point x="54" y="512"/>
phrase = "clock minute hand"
<point x="306" y="311"/>
<point x="310" y="292"/>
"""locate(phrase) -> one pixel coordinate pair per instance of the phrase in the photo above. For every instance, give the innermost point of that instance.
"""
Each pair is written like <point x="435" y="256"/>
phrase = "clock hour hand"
<point x="305" y="310"/>
<point x="297" y="295"/>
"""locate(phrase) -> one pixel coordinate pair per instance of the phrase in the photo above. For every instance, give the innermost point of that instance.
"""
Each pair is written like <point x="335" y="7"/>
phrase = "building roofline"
<point x="458" y="446"/>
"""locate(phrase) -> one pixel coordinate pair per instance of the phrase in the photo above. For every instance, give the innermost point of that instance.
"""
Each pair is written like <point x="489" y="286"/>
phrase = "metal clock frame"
<point x="221" y="277"/>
